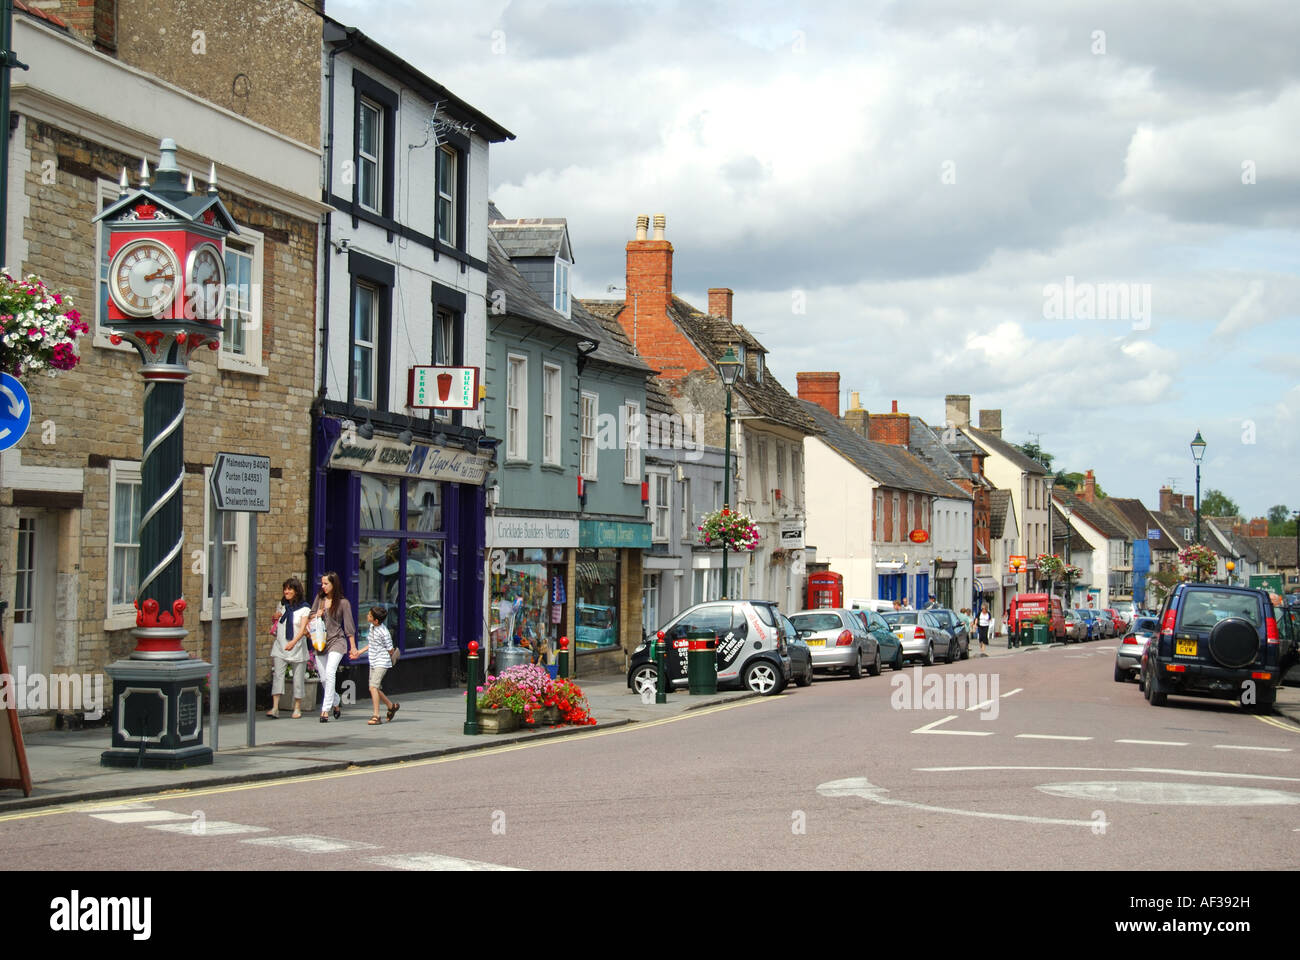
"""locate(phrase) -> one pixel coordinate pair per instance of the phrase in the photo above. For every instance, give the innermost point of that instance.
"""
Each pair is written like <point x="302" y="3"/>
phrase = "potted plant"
<point x="1198" y="561"/>
<point x="528" y="696"/>
<point x="728" y="529"/>
<point x="38" y="328"/>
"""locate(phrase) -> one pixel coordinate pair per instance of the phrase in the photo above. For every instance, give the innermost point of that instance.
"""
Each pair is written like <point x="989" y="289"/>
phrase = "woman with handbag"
<point x="332" y="610"/>
<point x="289" y="648"/>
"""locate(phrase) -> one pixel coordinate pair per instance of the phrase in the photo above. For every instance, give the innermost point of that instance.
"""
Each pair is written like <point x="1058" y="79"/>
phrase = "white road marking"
<point x="1163" y="770"/>
<point x="209" y="828"/>
<point x="1146" y="792"/>
<point x="433" y="861"/>
<point x="121" y="806"/>
<point x="1106" y="649"/>
<point x="142" y="816"/>
<point x="1012" y="692"/>
<point x="306" y="844"/>
<point x="1155" y="743"/>
<point x="1228" y="746"/>
<point x="929" y="728"/>
<point x="861" y="787"/>
<point x="1046" y="736"/>
<point x="981" y="706"/>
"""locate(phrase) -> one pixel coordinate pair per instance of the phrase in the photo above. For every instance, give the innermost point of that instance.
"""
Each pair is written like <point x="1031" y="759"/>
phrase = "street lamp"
<point x="1198" y="451"/>
<point x="1067" y="511"/>
<point x="729" y="370"/>
<point x="1049" y="481"/>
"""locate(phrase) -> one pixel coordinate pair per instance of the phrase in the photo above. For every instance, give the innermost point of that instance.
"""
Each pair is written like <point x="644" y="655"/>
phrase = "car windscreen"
<point x="894" y="619"/>
<point x="1205" y="608"/>
<point x="816" y="621"/>
<point x="1146" y="625"/>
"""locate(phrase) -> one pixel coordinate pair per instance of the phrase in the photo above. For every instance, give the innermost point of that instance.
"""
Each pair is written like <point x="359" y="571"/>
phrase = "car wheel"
<point x="645" y="677"/>
<point x="855" y="671"/>
<point x="899" y="662"/>
<point x="1155" y="696"/>
<point x="763" y="677"/>
<point x="965" y="651"/>
<point x="929" y="655"/>
<point x="1120" y="674"/>
<point x="952" y="652"/>
<point x="874" y="669"/>
<point x="806" y="678"/>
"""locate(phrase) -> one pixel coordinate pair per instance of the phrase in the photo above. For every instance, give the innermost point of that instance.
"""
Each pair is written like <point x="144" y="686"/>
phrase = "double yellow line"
<point x="90" y="806"/>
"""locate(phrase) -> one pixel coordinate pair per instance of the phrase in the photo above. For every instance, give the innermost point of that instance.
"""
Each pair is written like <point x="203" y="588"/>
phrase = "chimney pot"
<point x="642" y="226"/>
<point x="894" y="407"/>
<point x="660" y="222"/>
<point x="855" y="400"/>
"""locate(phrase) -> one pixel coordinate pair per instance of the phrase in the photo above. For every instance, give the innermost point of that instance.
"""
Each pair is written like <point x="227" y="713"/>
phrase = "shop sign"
<point x="421" y="460"/>
<point x="1009" y="580"/>
<point x="532" y="532"/>
<point x="615" y="534"/>
<point x="443" y="388"/>
<point x="791" y="535"/>
<point x="1017" y="563"/>
<point x="983" y="569"/>
<point x="918" y="536"/>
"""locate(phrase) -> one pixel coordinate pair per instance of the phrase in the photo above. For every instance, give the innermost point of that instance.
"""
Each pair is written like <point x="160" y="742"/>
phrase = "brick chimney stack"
<point x="649" y="288"/>
<point x="720" y="301"/>
<point x="1189" y="502"/>
<point x="94" y="21"/>
<point x="991" y="422"/>
<point x="1089" y="487"/>
<point x="855" y="417"/>
<point x="1166" y="499"/>
<point x="822" y="389"/>
<point x="956" y="409"/>
<point x="1259" y="527"/>
<point x="892" y="427"/>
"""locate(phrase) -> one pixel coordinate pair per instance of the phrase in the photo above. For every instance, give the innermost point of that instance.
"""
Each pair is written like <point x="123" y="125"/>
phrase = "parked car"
<point x="921" y="633"/>
<point x="1116" y="621"/>
<point x="1076" y="627"/>
<point x="1128" y="655"/>
<point x="750" y="647"/>
<point x="1102" y="626"/>
<point x="1215" y="641"/>
<point x="1091" y="621"/>
<point x="956" y="627"/>
<point x="801" y="664"/>
<point x="891" y="648"/>
<point x="838" y="640"/>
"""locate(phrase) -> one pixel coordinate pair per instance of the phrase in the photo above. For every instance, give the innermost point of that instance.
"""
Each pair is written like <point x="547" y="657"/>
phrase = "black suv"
<point x="1214" y="641"/>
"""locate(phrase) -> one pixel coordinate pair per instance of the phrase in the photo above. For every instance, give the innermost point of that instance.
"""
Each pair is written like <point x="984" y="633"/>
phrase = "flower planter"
<point x="499" y="720"/>
<point x="546" y="716"/>
<point x="310" y="696"/>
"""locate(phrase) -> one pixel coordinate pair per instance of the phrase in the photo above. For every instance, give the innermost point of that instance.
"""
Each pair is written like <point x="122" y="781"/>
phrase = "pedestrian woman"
<point x="985" y="619"/>
<point x="289" y="648"/>
<point x="332" y="608"/>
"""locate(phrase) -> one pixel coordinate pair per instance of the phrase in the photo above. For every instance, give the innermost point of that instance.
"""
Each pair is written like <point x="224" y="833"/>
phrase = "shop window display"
<point x="596" y="613"/>
<point x="528" y="598"/>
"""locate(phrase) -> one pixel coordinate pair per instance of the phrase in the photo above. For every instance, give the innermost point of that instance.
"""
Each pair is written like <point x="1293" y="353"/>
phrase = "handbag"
<point x="393" y="654"/>
<point x="318" y="632"/>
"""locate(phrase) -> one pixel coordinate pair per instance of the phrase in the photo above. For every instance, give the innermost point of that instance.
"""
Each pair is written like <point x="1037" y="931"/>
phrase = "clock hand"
<point x="159" y="273"/>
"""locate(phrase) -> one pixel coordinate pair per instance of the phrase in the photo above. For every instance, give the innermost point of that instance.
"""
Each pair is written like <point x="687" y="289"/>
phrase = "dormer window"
<point x="756" y="367"/>
<point x="562" y="286"/>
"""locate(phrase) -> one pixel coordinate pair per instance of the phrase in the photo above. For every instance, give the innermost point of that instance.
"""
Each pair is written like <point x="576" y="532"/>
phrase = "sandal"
<point x="296" y="715"/>
<point x="273" y="716"/>
<point x="337" y="711"/>
<point x="392" y="710"/>
<point x="373" y="722"/>
<point x="324" y="719"/>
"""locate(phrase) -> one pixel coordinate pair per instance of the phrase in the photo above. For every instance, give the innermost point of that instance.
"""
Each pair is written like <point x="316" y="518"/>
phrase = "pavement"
<point x="65" y="763"/>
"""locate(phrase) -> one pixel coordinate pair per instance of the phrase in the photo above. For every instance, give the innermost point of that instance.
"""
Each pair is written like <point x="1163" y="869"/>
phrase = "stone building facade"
<point x="69" y="491"/>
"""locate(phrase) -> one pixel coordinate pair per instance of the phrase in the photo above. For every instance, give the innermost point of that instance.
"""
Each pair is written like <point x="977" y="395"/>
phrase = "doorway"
<point x="34" y="579"/>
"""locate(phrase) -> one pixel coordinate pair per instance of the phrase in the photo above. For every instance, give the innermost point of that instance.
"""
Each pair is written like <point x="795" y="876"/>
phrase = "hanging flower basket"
<point x="38" y="328"/>
<point x="1198" y="562"/>
<point x="1049" y="566"/>
<point x="729" y="529"/>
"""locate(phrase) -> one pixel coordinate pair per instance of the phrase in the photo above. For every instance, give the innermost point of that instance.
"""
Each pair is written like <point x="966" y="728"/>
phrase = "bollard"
<point x="562" y="668"/>
<point x="661" y="671"/>
<point x="471" y="690"/>
<point x="702" y="663"/>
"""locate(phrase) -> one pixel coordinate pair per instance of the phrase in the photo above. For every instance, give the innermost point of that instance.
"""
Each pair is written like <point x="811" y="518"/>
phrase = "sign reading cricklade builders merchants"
<point x="426" y="461"/>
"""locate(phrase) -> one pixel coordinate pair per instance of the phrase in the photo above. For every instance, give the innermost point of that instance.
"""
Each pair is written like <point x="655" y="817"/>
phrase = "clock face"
<point x="142" y="278"/>
<point x="205" y="290"/>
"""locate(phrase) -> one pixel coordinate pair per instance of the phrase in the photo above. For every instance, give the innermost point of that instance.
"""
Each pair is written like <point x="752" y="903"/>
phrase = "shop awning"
<point x="889" y="565"/>
<point x="985" y="585"/>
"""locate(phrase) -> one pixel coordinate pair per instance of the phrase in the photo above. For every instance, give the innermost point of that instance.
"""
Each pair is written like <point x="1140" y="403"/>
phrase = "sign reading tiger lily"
<point x="728" y="529"/>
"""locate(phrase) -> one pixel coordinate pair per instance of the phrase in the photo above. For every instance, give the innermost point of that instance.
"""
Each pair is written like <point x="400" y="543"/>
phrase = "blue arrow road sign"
<point x="15" y="411"/>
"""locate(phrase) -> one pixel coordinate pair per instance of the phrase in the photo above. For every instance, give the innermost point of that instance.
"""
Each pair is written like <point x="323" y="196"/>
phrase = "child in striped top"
<point x="378" y="644"/>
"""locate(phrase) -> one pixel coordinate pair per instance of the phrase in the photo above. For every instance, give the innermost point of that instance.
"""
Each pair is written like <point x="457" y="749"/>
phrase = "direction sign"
<point x="242" y="482"/>
<point x="15" y="411"/>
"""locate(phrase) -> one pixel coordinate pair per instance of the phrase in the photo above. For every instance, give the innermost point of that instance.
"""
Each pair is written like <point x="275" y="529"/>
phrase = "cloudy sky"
<point x="1081" y="213"/>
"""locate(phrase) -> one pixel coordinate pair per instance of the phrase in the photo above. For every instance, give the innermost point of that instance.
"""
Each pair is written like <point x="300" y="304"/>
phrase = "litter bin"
<point x="512" y="656"/>
<point x="702" y="662"/>
<point x="1025" y="635"/>
<point x="1040" y="633"/>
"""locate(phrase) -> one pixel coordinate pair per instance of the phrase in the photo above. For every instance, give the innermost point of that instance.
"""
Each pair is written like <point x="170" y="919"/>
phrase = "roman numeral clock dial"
<point x="143" y="278"/>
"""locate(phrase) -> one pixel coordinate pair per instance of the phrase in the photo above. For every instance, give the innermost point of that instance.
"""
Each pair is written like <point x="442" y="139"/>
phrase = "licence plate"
<point x="815" y="643"/>
<point x="1185" y="648"/>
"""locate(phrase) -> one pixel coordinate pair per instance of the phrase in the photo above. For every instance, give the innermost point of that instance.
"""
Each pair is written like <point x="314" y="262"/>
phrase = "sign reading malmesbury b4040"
<point x="242" y="482"/>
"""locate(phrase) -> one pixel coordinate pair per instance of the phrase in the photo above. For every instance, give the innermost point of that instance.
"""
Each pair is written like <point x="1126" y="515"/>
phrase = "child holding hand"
<point x="378" y="644"/>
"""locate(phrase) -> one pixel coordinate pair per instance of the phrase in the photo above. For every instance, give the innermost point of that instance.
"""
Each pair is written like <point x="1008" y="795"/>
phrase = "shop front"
<point x="943" y="578"/>
<point x="529" y="580"/>
<point x="607" y="582"/>
<point x="403" y="526"/>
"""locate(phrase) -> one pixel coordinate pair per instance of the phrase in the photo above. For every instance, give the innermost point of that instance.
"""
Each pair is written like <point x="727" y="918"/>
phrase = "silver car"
<point x="1076" y="628"/>
<point x="1128" y="655"/>
<point x="838" y="640"/>
<point x="923" y="635"/>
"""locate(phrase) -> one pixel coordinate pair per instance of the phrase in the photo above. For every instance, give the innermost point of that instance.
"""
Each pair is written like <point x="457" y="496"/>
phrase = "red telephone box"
<point x="825" y="589"/>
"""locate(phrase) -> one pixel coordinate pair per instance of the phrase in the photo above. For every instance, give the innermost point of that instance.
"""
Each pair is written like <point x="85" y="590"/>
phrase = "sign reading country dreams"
<point x="422" y="460"/>
<point x="241" y="482"/>
<point x="607" y="533"/>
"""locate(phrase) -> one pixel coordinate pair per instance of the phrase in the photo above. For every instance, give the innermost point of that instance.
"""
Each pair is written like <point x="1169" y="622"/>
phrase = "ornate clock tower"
<point x="166" y="284"/>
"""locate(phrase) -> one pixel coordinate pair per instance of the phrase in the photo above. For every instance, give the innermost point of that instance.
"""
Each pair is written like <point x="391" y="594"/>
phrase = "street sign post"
<point x="240" y="483"/>
<point x="15" y="411"/>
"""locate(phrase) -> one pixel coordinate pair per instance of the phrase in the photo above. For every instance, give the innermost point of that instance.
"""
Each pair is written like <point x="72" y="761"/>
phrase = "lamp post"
<point x="1198" y="452"/>
<point x="729" y="370"/>
<point x="1049" y="481"/>
<point x="1067" y="512"/>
